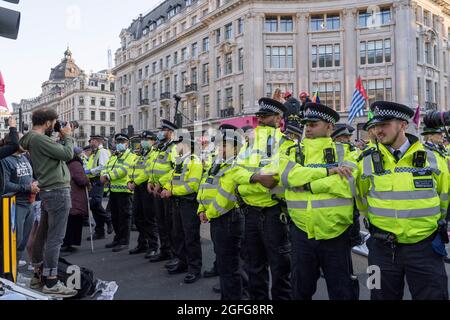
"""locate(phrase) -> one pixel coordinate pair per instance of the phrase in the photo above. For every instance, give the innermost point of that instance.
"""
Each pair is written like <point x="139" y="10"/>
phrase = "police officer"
<point x="434" y="137"/>
<point x="266" y="237"/>
<point x="96" y="163"/>
<point x="161" y="162"/>
<point x="144" y="215"/>
<point x="292" y="115"/>
<point x="115" y="174"/>
<point x="403" y="190"/>
<point x="180" y="186"/>
<point x="320" y="205"/>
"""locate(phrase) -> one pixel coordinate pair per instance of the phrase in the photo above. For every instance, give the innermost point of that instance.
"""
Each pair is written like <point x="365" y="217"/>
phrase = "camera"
<point x="62" y="124"/>
<point x="436" y="119"/>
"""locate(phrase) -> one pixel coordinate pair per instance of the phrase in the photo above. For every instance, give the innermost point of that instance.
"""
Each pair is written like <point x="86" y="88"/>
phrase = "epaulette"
<point x="366" y="153"/>
<point x="434" y="148"/>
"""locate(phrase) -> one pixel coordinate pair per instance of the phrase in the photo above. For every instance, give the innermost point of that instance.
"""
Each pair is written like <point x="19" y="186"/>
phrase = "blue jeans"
<point x="55" y="209"/>
<point x="24" y="223"/>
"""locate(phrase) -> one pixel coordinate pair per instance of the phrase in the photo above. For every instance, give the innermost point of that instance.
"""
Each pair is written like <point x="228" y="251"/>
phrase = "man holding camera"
<point x="96" y="163"/>
<point x="403" y="191"/>
<point x="49" y="165"/>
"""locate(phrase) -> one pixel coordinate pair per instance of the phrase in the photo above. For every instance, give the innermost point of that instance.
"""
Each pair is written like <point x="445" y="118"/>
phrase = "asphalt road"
<point x="140" y="280"/>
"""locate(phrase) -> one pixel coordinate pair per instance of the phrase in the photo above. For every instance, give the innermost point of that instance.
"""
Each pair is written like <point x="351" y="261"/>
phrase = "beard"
<point x="49" y="132"/>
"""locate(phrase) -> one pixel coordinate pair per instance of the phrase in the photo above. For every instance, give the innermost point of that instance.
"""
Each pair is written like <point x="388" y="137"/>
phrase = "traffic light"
<point x="9" y="22"/>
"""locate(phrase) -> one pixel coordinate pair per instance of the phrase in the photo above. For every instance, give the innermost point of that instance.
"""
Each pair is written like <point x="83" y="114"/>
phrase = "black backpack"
<point x="88" y="282"/>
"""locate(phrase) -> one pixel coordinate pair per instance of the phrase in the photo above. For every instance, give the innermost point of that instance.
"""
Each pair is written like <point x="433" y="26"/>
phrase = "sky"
<point x="88" y="27"/>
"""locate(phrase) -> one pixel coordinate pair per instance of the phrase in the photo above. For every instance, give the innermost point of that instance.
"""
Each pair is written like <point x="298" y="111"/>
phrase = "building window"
<point x="175" y="83"/>
<point x="154" y="67"/>
<point x="329" y="93"/>
<point x="194" y="50"/>
<point x="317" y="23"/>
<point x="112" y="116"/>
<point x="333" y="22"/>
<point x="194" y="20"/>
<point x="218" y="36"/>
<point x="241" y="97"/>
<point x="168" y="61"/>
<point x="435" y="56"/>
<point x="111" y="131"/>
<point x="436" y="92"/>
<point x="167" y="85"/>
<point x="184" y="54"/>
<point x="377" y="51"/>
<point x="92" y="101"/>
<point x="183" y="26"/>
<point x="426" y="18"/>
<point x="103" y="102"/>
<point x="93" y="115"/>
<point x="218" y="67"/>
<point x="241" y="59"/>
<point x="183" y="80"/>
<point x="337" y="55"/>
<point x="154" y="91"/>
<point x="240" y="23"/>
<point x="228" y="31"/>
<point x="271" y="24"/>
<point x="102" y="116"/>
<point x="205" y="46"/>
<point x="378" y="89"/>
<point x="206" y="106"/>
<point x="270" y="88"/>
<point x="428" y="52"/>
<point x="373" y="18"/>
<point x="286" y="24"/>
<point x="229" y="98"/>
<point x="175" y="57"/>
<point x="93" y="130"/>
<point x="279" y="57"/>
<point x="205" y="74"/>
<point x="103" y="131"/>
<point x="161" y="64"/>
<point x="219" y="101"/>
<point x="194" y="76"/>
<point x="81" y="115"/>
<point x="419" y="90"/>
<point x="146" y="71"/>
<point x="228" y="64"/>
<point x="330" y="22"/>
<point x="140" y="74"/>
<point x="161" y="87"/>
<point x="81" y="101"/>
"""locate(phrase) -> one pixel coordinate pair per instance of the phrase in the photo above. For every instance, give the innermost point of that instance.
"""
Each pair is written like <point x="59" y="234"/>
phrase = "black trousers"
<point x="267" y="244"/>
<point x="227" y="234"/>
<point x="186" y="232"/>
<point x="162" y="208"/>
<point x="99" y="213"/>
<point x="121" y="210"/>
<point x="423" y="268"/>
<point x="333" y="256"/>
<point x="145" y="218"/>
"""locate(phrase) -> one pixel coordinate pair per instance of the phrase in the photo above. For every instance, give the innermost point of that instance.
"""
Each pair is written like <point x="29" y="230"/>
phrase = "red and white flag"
<point x="3" y="105"/>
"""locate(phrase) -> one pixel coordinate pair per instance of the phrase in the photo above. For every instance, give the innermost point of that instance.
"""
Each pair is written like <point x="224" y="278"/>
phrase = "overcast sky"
<point x="89" y="27"/>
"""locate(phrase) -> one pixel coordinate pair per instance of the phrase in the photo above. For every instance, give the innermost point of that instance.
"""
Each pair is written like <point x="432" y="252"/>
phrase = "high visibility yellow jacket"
<point x="117" y="169"/>
<point x="138" y="175"/>
<point x="93" y="161"/>
<point x="325" y="210"/>
<point x="404" y="199"/>
<point x="185" y="178"/>
<point x="160" y="162"/>
<point x="217" y="193"/>
<point x="253" y="158"/>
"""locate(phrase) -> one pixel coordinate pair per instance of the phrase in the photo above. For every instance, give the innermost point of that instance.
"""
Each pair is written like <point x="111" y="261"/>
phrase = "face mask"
<point x="121" y="147"/>
<point x="145" y="145"/>
<point x="161" y="136"/>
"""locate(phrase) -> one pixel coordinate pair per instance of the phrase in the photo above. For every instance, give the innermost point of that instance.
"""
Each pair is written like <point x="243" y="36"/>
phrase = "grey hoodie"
<point x="18" y="176"/>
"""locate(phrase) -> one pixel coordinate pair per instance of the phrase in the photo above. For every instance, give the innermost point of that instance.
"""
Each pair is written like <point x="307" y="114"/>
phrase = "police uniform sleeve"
<point x="165" y="179"/>
<point x="442" y="184"/>
<point x="362" y="189"/>
<point x="144" y="175"/>
<point x="225" y="199"/>
<point x="293" y="174"/>
<point x="191" y="183"/>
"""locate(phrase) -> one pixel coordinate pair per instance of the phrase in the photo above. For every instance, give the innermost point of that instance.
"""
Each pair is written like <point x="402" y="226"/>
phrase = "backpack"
<point x="87" y="282"/>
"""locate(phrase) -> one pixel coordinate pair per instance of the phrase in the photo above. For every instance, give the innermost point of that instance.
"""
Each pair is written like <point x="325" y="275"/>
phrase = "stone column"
<point x="349" y="56"/>
<point x="404" y="44"/>
<point x="303" y="62"/>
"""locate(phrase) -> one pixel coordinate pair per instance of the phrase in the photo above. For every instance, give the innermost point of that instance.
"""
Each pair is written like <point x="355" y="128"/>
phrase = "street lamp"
<point x="178" y="119"/>
<point x="9" y="22"/>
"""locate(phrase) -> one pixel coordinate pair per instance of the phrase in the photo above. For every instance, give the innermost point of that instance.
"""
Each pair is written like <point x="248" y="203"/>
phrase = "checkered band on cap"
<point x="270" y="107"/>
<point x="381" y="112"/>
<point x="321" y="115"/>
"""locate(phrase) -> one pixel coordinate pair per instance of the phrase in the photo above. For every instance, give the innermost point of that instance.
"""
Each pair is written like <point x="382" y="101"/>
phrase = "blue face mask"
<point x="145" y="145"/>
<point x="161" y="136"/>
<point x="121" y="147"/>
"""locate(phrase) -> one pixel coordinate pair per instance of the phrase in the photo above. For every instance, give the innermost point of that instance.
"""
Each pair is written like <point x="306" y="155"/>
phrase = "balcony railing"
<point x="190" y="88"/>
<point x="165" y="96"/>
<point x="143" y="102"/>
<point x="229" y="112"/>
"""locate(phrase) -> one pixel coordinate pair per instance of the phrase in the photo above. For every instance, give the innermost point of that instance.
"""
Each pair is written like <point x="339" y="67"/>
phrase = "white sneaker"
<point x="59" y="290"/>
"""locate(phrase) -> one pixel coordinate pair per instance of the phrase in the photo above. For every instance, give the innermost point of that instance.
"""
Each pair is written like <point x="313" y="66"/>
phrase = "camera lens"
<point x="437" y="119"/>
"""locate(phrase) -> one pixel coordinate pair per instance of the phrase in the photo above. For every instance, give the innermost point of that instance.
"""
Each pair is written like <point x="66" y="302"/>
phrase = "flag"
<point x="316" y="98"/>
<point x="369" y="115"/>
<point x="416" y="118"/>
<point x="358" y="101"/>
<point x="3" y="104"/>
